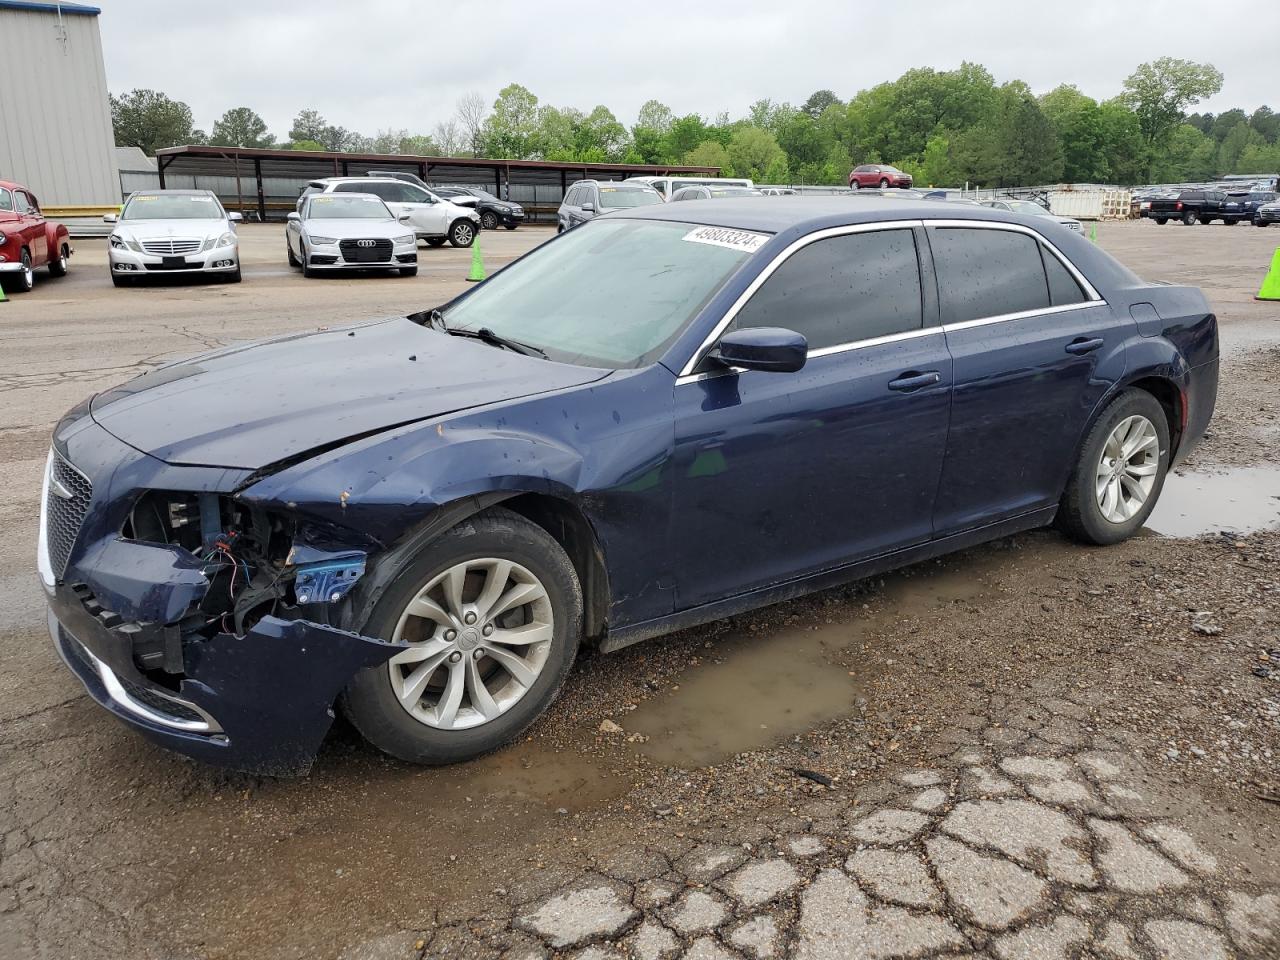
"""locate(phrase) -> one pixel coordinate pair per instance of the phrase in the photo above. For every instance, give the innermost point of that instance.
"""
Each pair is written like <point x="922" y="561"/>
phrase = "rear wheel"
<point x="462" y="233"/>
<point x="1119" y="473"/>
<point x="435" y="241"/>
<point x="1206" y="220"/>
<point x="510" y="226"/>
<point x="491" y="613"/>
<point x="1229" y="223"/>
<point x="58" y="267"/>
<point x="1189" y="218"/>
<point x="1162" y="220"/>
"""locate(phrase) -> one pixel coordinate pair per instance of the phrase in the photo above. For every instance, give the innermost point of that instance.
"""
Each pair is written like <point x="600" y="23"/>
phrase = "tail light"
<point x="1179" y="206"/>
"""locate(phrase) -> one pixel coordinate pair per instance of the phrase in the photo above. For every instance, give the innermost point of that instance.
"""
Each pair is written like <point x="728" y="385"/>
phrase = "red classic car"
<point x="28" y="240"/>
<point x="878" y="175"/>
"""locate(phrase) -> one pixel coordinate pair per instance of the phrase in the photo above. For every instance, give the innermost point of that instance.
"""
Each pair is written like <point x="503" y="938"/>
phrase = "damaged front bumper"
<point x="259" y="700"/>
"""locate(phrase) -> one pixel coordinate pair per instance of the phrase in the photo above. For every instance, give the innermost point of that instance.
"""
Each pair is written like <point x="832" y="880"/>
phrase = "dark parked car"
<point x="704" y="192"/>
<point x="1243" y="206"/>
<point x="587" y="199"/>
<point x="674" y="414"/>
<point x="1190" y="206"/>
<point x="880" y="175"/>
<point x="493" y="212"/>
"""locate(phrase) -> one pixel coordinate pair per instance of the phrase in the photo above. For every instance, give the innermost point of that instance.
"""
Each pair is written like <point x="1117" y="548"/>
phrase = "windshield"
<point x="172" y="206"/>
<point x="737" y="192"/>
<point x="610" y="293"/>
<point x="332" y="206"/>
<point x="613" y="198"/>
<point x="1027" y="208"/>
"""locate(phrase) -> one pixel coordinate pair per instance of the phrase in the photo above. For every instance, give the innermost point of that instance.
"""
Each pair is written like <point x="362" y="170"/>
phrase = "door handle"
<point x="914" y="381"/>
<point x="1082" y="345"/>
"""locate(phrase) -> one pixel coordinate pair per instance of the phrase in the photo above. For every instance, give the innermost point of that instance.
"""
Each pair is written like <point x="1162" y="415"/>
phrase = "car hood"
<point x="255" y="405"/>
<point x="152" y="229"/>
<point x="373" y="229"/>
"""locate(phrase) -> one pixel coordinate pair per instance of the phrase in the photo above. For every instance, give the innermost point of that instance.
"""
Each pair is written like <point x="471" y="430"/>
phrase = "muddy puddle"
<point x="758" y="688"/>
<point x="1240" y="500"/>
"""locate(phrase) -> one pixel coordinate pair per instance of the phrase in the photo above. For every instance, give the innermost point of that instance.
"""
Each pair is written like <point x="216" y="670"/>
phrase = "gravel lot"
<point x="1031" y="749"/>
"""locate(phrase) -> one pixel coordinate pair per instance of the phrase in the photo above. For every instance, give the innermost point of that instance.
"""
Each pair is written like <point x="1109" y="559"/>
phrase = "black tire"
<point x="369" y="700"/>
<point x="1162" y="220"/>
<point x="435" y="241"/>
<point x="293" y="260"/>
<point x="462" y="233"/>
<point x="233" y="277"/>
<point x="1206" y="220"/>
<point x="408" y="271"/>
<point x="489" y="220"/>
<point x="1189" y="218"/>
<point x="58" y="265"/>
<point x="1079" y="515"/>
<point x="121" y="281"/>
<point x="23" y="281"/>
<point x="511" y="226"/>
<point x="1229" y="223"/>
<point x="307" y="270"/>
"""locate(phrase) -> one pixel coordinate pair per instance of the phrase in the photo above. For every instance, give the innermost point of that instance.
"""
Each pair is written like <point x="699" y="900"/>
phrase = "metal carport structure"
<point x="267" y="182"/>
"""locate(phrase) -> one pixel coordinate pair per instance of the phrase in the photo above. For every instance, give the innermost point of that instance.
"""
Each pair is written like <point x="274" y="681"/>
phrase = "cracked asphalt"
<point x="1029" y="750"/>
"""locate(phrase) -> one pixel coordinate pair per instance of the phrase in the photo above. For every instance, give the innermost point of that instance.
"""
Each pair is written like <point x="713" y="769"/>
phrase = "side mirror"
<point x="236" y="216"/>
<point x="588" y="207"/>
<point x="110" y="217"/>
<point x="771" y="349"/>
<point x="405" y="217"/>
<point x="293" y="215"/>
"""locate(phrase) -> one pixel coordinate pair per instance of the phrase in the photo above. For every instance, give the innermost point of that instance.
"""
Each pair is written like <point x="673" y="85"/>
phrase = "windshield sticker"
<point x="724" y="237"/>
<point x="139" y="199"/>
<point x="203" y="199"/>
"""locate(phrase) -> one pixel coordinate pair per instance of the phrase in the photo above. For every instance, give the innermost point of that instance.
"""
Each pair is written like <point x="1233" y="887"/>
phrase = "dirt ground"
<point x="1030" y="749"/>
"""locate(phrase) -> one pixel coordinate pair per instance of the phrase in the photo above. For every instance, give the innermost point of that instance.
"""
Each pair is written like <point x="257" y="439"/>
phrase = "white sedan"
<point x="182" y="232"/>
<point x="1029" y="209"/>
<point x="341" y="231"/>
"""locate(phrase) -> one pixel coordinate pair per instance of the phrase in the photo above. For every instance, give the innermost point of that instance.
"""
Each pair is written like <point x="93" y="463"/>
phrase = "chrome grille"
<point x="65" y="509"/>
<point x="171" y="247"/>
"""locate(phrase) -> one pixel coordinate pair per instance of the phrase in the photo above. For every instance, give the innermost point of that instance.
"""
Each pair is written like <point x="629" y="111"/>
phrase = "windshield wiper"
<point x="485" y="335"/>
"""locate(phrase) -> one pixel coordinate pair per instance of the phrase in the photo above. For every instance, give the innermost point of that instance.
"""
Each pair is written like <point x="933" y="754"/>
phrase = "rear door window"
<point x="843" y="289"/>
<point x="987" y="273"/>
<point x="1063" y="288"/>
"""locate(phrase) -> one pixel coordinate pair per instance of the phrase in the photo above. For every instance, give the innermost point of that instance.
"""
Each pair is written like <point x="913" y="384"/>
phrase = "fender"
<point x="55" y="236"/>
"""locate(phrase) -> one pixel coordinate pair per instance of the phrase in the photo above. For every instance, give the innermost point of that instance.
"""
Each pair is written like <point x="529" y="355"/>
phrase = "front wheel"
<point x="1229" y="223"/>
<point x="408" y="271"/>
<point x="856" y="185"/>
<point x="491" y="613"/>
<point x="293" y="260"/>
<point x="58" y="267"/>
<point x="1259" y="223"/>
<point x="462" y="233"/>
<point x="1162" y="220"/>
<point x="884" y="184"/>
<point x="510" y="226"/>
<point x="25" y="279"/>
<point x="1119" y="473"/>
<point x="489" y="220"/>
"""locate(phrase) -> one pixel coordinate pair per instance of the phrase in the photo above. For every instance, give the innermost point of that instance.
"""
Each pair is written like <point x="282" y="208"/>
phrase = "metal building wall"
<point x="55" y="119"/>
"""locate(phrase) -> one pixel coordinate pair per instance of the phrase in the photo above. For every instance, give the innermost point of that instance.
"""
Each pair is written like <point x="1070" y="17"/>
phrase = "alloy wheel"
<point x="1127" y="469"/>
<point x="479" y="635"/>
<point x="463" y="234"/>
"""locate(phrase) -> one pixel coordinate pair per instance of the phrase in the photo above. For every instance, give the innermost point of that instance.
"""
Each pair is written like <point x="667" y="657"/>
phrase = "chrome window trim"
<point x="781" y="258"/>
<point x="687" y="375"/>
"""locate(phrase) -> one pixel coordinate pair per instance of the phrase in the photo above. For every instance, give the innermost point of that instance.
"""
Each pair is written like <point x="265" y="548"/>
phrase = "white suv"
<point x="433" y="218"/>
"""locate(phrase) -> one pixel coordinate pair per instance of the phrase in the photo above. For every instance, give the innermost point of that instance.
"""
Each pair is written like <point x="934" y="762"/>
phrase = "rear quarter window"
<point x="987" y="273"/>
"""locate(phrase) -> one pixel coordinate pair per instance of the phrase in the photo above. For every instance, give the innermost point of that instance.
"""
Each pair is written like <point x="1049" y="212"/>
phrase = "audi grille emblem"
<point x="365" y="243"/>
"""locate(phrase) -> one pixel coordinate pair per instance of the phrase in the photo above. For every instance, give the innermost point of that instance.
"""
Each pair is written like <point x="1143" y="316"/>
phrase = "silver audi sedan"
<point x="185" y="232"/>
<point x="338" y="231"/>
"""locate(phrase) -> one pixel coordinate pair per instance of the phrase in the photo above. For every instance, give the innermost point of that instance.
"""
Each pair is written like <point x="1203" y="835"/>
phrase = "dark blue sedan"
<point x="673" y="414"/>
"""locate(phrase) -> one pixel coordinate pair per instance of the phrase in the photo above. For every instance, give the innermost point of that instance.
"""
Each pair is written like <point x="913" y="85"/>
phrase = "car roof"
<point x="177" y="193"/>
<point x="811" y="213"/>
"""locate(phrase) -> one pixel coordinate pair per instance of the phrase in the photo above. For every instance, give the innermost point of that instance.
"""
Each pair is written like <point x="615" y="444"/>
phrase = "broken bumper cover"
<point x="261" y="702"/>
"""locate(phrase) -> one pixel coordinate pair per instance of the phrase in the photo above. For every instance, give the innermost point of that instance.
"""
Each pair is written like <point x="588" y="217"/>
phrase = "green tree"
<point x="1267" y="122"/>
<point x="710" y="153"/>
<point x="305" y="145"/>
<point x="753" y="152"/>
<point x="1160" y="92"/>
<point x="601" y="133"/>
<point x="1187" y="154"/>
<point x="241" y="127"/>
<point x="147" y="119"/>
<point x="654" y="115"/>
<point x="1017" y="146"/>
<point x="555" y="131"/>
<point x="420" y="145"/>
<point x="1124" y="149"/>
<point x="1077" y="121"/>
<point x="308" y="125"/>
<point x="1225" y="122"/>
<point x="1233" y="146"/>
<point x="685" y="134"/>
<point x="818" y="103"/>
<point x="510" y="132"/>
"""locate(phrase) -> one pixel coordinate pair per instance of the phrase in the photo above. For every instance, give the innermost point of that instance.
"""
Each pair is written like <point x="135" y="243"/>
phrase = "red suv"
<point x="28" y="240"/>
<point x="878" y="175"/>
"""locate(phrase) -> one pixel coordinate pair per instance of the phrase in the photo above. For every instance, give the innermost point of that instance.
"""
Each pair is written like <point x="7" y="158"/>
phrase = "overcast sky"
<point x="392" y="64"/>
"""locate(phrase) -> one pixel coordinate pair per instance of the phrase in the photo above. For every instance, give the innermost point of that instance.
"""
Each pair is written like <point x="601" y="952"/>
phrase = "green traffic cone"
<point x="1093" y="233"/>
<point x="1270" y="289"/>
<point x="477" y="262"/>
<point x="2" y="297"/>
